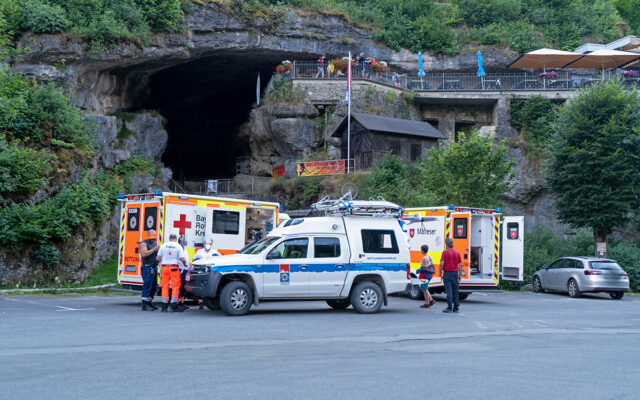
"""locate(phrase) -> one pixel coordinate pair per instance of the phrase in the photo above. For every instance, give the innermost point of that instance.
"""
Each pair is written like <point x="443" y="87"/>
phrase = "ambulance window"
<point x="326" y="247"/>
<point x="226" y="222"/>
<point x="133" y="219"/>
<point x="459" y="228"/>
<point x="512" y="231"/>
<point x="379" y="241"/>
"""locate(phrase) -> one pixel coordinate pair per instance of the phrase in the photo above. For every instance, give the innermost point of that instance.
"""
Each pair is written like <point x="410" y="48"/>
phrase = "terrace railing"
<point x="560" y="80"/>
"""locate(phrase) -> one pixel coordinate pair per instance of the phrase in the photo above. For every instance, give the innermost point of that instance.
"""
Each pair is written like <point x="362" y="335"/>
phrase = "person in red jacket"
<point x="450" y="265"/>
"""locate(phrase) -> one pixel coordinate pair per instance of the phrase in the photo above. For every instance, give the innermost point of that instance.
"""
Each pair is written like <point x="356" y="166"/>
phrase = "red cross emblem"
<point x="182" y="224"/>
<point x="460" y="230"/>
<point x="412" y="232"/>
<point x="513" y="232"/>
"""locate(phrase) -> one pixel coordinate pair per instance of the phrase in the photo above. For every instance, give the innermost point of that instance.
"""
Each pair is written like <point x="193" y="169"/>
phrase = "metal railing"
<point x="564" y="80"/>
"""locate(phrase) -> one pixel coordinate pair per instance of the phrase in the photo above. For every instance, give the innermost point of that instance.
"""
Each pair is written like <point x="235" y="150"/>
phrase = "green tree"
<point x="472" y="172"/>
<point x="595" y="159"/>
<point x="630" y="11"/>
<point x="396" y="181"/>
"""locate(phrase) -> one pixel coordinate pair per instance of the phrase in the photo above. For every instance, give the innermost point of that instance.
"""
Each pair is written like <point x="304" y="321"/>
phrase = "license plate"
<point x="187" y="278"/>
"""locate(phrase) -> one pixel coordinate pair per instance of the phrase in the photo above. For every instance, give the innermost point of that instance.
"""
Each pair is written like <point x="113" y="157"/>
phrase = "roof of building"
<point x="626" y="43"/>
<point x="394" y="125"/>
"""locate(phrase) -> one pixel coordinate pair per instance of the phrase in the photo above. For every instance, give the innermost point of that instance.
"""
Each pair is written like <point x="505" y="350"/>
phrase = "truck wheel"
<point x="463" y="296"/>
<point x="236" y="298"/>
<point x="366" y="298"/>
<point x="211" y="303"/>
<point x="416" y="293"/>
<point x="339" y="304"/>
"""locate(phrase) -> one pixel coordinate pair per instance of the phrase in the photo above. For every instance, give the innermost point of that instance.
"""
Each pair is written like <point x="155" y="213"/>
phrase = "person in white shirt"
<point x="170" y="255"/>
<point x="207" y="251"/>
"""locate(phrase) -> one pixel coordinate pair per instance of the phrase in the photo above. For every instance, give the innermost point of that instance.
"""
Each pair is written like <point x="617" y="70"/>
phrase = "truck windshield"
<point x="261" y="245"/>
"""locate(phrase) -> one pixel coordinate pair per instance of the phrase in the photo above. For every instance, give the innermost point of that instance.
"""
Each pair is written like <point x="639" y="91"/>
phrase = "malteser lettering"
<point x="424" y="231"/>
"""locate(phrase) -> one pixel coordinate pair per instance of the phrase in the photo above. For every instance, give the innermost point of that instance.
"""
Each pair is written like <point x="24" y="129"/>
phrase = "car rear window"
<point x="613" y="266"/>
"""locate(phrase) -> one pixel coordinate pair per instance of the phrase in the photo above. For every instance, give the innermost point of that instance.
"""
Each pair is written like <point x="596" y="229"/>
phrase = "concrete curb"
<point x="7" y="291"/>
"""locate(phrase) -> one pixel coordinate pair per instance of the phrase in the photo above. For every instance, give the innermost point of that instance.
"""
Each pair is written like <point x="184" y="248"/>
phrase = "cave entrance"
<point x="204" y="102"/>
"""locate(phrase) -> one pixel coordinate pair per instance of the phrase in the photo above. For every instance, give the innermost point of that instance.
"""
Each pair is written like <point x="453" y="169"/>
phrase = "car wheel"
<point x="211" y="303"/>
<point x="572" y="288"/>
<point x="339" y="304"/>
<point x="366" y="298"/>
<point x="416" y="293"/>
<point x="537" y="285"/>
<point x="236" y="298"/>
<point x="616" y="295"/>
<point x="463" y="296"/>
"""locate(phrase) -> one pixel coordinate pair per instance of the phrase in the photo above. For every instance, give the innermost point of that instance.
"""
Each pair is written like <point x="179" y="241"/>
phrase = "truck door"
<point x="512" y="248"/>
<point x="226" y="226"/>
<point x="140" y="217"/>
<point x="286" y="269"/>
<point x="328" y="265"/>
<point x="461" y="236"/>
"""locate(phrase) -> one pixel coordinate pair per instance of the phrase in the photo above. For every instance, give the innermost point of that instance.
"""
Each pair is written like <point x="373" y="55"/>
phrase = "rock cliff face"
<point x="90" y="245"/>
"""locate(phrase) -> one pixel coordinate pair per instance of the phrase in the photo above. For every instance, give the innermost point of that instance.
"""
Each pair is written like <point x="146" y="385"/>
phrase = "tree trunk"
<point x="600" y="238"/>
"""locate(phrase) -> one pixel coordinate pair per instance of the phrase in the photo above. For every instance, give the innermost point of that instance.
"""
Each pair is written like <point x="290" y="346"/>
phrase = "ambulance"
<point x="491" y="245"/>
<point x="231" y="223"/>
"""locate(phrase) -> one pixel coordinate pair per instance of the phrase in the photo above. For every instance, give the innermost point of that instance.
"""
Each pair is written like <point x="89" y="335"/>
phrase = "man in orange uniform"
<point x="169" y="256"/>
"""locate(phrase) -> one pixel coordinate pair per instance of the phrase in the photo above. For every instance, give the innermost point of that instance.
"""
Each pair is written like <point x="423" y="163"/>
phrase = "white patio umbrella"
<point x="544" y="58"/>
<point x="604" y="58"/>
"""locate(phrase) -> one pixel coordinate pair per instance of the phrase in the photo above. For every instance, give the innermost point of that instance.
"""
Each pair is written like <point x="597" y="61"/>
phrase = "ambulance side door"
<point x="461" y="235"/>
<point x="512" y="248"/>
<point x="286" y="269"/>
<point x="226" y="226"/>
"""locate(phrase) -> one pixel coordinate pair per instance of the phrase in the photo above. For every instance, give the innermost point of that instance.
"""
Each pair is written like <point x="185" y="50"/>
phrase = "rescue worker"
<point x="206" y="251"/>
<point x="148" y="252"/>
<point x="169" y="257"/>
<point x="184" y="269"/>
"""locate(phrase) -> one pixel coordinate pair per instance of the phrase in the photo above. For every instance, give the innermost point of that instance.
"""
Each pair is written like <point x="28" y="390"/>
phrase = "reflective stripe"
<point x="147" y="298"/>
<point x="174" y="299"/>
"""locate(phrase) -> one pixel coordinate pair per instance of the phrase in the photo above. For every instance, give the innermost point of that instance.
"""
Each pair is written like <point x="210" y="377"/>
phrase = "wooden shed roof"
<point x="393" y="125"/>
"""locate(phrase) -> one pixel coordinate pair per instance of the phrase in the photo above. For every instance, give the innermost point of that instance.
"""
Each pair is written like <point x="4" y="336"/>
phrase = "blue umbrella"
<point x="420" y="70"/>
<point x="480" y="67"/>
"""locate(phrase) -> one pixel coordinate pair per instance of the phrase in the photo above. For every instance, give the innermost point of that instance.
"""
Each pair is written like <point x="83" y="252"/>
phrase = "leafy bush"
<point x="46" y="255"/>
<point x="22" y="168"/>
<point x="40" y="17"/>
<point x="36" y="113"/>
<point x="395" y="181"/>
<point x="533" y="117"/>
<point x="628" y="255"/>
<point x="162" y="15"/>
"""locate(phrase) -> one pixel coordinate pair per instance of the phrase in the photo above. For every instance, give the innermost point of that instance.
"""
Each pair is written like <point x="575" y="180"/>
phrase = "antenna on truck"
<point x="345" y="205"/>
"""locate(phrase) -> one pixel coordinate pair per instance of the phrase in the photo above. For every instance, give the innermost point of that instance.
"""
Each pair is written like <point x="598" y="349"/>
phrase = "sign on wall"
<point x="315" y="168"/>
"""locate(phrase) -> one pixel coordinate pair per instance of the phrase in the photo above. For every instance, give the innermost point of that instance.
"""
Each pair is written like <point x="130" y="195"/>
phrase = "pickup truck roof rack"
<point x="347" y="206"/>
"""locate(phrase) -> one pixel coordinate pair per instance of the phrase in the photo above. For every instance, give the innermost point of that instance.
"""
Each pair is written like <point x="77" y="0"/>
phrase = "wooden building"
<point x="372" y="136"/>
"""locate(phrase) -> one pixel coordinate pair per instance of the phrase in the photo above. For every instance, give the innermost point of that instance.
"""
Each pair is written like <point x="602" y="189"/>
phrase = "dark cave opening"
<point x="204" y="102"/>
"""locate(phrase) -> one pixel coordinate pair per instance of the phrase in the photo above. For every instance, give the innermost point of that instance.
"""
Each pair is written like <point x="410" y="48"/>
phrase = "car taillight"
<point x="624" y="273"/>
<point x="591" y="272"/>
<point x="409" y="271"/>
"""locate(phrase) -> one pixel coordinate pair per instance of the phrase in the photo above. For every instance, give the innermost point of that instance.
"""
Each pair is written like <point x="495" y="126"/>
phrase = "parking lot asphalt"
<point x="500" y="346"/>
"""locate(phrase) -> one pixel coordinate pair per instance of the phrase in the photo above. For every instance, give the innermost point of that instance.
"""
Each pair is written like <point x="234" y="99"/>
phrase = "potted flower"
<point x="340" y="64"/>
<point x="379" y="66"/>
<point x="548" y="75"/>
<point x="283" y="68"/>
<point x="629" y="73"/>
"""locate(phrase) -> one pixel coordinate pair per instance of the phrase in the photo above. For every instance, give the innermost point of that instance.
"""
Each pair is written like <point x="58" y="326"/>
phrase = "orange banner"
<point x="277" y="171"/>
<point x="315" y="168"/>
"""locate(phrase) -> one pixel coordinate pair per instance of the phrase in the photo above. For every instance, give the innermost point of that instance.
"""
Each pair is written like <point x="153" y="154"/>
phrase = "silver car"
<point x="577" y="275"/>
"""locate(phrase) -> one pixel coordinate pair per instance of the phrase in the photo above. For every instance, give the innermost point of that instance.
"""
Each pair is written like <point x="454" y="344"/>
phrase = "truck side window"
<point x="379" y="241"/>
<point x="293" y="248"/>
<point x="326" y="247"/>
<point x="226" y="222"/>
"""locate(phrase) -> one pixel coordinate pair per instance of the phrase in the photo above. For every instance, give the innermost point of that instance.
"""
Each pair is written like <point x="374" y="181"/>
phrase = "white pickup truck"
<point x="345" y="260"/>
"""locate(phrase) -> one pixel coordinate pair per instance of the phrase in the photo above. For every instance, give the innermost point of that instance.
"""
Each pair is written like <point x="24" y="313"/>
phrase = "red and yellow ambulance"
<point x="490" y="244"/>
<point x="231" y="223"/>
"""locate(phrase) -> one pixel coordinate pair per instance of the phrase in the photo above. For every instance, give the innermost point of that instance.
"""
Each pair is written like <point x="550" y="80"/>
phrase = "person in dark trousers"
<point x="450" y="265"/>
<point x="361" y="64"/>
<point x="149" y="271"/>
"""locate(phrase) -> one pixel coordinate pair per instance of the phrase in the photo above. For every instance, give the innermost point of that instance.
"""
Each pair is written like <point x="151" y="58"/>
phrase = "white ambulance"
<point x="356" y="255"/>
<point x="231" y="223"/>
<point x="491" y="245"/>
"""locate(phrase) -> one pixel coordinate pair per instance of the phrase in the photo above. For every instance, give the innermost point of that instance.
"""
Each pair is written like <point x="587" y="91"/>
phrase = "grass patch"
<point x="104" y="274"/>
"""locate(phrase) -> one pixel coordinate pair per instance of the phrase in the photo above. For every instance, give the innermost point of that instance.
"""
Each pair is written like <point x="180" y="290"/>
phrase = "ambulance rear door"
<point x="226" y="225"/>
<point x="512" y="248"/>
<point x="461" y="236"/>
<point x="139" y="218"/>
